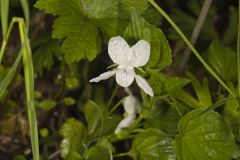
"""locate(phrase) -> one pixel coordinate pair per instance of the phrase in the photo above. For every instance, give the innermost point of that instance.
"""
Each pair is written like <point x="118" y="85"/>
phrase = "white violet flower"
<point x="127" y="58"/>
<point x="131" y="107"/>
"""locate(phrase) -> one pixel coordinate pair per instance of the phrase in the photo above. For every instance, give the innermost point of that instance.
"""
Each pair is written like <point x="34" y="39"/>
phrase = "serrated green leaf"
<point x="43" y="58"/>
<point x="100" y="9"/>
<point x="80" y="21"/>
<point x="152" y="144"/>
<point x="202" y="91"/>
<point x="73" y="132"/>
<point x="160" y="50"/>
<point x="204" y="136"/>
<point x="82" y="38"/>
<point x="223" y="60"/>
<point x="165" y="85"/>
<point x="60" y="7"/>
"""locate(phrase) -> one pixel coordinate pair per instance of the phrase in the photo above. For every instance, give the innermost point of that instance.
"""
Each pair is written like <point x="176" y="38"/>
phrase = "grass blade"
<point x="4" y="16"/>
<point x="29" y="84"/>
<point x="6" y="81"/>
<point x="25" y="7"/>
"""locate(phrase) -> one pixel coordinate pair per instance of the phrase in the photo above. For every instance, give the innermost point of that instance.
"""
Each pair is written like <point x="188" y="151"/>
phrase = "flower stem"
<point x="210" y="70"/>
<point x="112" y="96"/>
<point x="116" y="106"/>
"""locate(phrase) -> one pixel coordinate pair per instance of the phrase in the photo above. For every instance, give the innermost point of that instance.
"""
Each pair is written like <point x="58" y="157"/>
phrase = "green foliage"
<point x="223" y="60"/>
<point x="152" y="144"/>
<point x="73" y="132"/>
<point x="202" y="91"/>
<point x="204" y="136"/>
<point x="43" y="57"/>
<point x="164" y="118"/>
<point x="47" y="104"/>
<point x="165" y="85"/>
<point x="160" y="51"/>
<point x="81" y="21"/>
<point x="103" y="150"/>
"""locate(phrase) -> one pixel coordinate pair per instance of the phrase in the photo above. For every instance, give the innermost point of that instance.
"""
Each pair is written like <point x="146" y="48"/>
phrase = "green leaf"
<point x="202" y="91"/>
<point x="43" y="58"/>
<point x="160" y="50"/>
<point x="204" y="136"/>
<point x="82" y="38"/>
<point x="126" y="7"/>
<point x="81" y="20"/>
<point x="98" y="121"/>
<point x="9" y="77"/>
<point x="232" y="114"/>
<point x="223" y="60"/>
<point x="69" y="101"/>
<point x="164" y="118"/>
<point x="231" y="30"/>
<point x="73" y="156"/>
<point x="165" y="85"/>
<point x="153" y="16"/>
<point x="60" y="7"/>
<point x="47" y="104"/>
<point x="4" y="4"/>
<point x="25" y="7"/>
<point x="103" y="150"/>
<point x="73" y="132"/>
<point x="152" y="144"/>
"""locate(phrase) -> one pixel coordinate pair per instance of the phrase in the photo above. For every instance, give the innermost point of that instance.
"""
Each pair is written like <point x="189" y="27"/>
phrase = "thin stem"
<point x="112" y="96"/>
<point x="210" y="70"/>
<point x="238" y="49"/>
<point x="116" y="106"/>
<point x="121" y="154"/>
<point x="5" y="40"/>
<point x="196" y="31"/>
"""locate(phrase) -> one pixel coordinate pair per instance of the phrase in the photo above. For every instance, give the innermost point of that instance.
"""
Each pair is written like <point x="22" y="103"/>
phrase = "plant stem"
<point x="210" y="70"/>
<point x="238" y="49"/>
<point x="116" y="106"/>
<point x="112" y="96"/>
<point x="196" y="32"/>
<point x="5" y="40"/>
<point x="121" y="154"/>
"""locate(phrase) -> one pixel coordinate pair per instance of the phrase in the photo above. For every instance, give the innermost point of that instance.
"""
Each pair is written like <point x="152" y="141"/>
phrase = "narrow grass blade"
<point x="9" y="77"/>
<point x="4" y="16"/>
<point x="25" y="7"/>
<point x="29" y="84"/>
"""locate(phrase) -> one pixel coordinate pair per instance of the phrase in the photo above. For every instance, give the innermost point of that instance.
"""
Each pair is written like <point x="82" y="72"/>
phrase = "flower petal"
<point x="140" y="53"/>
<point x="126" y="122"/>
<point x="124" y="76"/>
<point x="142" y="83"/>
<point x="131" y="105"/>
<point x="103" y="76"/>
<point x="119" y="50"/>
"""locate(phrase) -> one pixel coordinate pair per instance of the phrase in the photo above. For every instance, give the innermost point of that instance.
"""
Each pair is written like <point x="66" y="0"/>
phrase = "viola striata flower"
<point x="131" y="107"/>
<point x="127" y="58"/>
